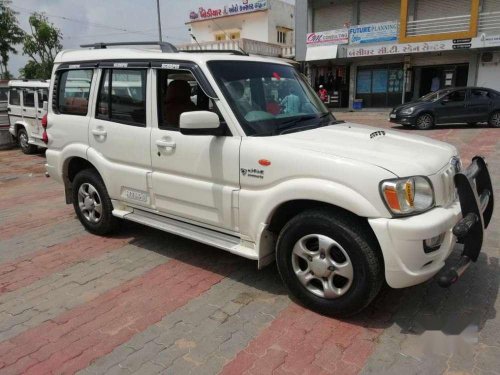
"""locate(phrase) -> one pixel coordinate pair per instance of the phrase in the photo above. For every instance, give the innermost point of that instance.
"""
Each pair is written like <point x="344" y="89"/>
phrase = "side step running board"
<point x="193" y="232"/>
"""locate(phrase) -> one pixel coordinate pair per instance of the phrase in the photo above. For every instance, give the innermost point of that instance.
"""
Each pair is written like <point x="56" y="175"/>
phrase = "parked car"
<point x="26" y="112"/>
<point x="340" y="207"/>
<point x="469" y="105"/>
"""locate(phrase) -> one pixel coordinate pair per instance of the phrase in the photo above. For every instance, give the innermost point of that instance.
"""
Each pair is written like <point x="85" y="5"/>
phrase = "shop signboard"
<point x="395" y="48"/>
<point x="486" y="41"/>
<point x="374" y="33"/>
<point x="237" y="7"/>
<point x="339" y="36"/>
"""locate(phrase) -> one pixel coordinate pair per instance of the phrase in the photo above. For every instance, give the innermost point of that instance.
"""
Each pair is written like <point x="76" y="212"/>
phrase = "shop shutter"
<point x="427" y="9"/>
<point x="490" y="6"/>
<point x="332" y="17"/>
<point x="373" y="11"/>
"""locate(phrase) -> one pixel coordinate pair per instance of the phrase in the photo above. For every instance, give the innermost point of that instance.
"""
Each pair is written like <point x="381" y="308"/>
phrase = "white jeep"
<point x="25" y="110"/>
<point x="259" y="167"/>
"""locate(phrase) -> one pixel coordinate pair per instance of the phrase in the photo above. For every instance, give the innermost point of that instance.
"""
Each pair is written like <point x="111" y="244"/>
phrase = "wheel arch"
<point x="71" y="167"/>
<point x="285" y="211"/>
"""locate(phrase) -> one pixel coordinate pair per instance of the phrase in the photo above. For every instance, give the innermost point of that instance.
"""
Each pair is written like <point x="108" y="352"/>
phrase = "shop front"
<point x="380" y="85"/>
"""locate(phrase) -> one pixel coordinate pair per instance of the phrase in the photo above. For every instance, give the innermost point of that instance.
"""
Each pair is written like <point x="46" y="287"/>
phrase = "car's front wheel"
<point x="495" y="119"/>
<point x="23" y="140"/>
<point x="330" y="262"/>
<point x="92" y="203"/>
<point x="424" y="121"/>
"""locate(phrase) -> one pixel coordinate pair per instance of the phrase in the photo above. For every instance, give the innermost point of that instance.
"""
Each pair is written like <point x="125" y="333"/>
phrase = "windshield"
<point x="433" y="96"/>
<point x="269" y="99"/>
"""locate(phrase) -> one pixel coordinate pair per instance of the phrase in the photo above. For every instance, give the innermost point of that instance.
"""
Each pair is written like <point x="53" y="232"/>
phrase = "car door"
<point x="14" y="108"/>
<point x="194" y="177"/>
<point x="452" y="107"/>
<point x="29" y="110"/>
<point x="119" y="131"/>
<point x="480" y="105"/>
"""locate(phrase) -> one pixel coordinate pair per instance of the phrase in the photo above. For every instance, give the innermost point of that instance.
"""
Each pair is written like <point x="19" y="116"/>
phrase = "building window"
<point x="281" y="37"/>
<point x="235" y="35"/>
<point x="220" y="37"/>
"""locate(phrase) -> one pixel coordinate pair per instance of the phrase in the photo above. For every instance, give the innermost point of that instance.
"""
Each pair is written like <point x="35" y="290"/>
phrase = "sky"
<point x="90" y="21"/>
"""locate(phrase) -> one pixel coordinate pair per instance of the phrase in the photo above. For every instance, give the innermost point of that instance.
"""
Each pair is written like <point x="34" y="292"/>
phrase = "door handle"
<point x="99" y="132"/>
<point x="165" y="144"/>
<point x="24" y="109"/>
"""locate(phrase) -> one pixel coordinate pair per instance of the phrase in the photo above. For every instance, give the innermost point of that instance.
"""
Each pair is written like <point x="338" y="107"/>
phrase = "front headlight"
<point x="408" y="111"/>
<point x="406" y="196"/>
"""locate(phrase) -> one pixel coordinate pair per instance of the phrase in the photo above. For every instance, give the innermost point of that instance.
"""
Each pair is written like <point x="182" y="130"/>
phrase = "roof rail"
<point x="231" y="51"/>
<point x="164" y="46"/>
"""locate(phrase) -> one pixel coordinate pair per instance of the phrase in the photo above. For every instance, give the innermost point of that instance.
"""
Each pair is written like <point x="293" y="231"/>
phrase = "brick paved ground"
<point x="143" y="301"/>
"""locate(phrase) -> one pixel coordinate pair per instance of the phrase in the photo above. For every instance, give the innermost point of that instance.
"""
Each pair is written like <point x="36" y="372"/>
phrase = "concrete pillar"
<point x="352" y="83"/>
<point x="473" y="68"/>
<point x="301" y="28"/>
<point x="416" y="86"/>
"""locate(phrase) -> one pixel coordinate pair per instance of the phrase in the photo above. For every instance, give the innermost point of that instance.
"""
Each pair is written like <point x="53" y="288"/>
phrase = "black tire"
<point x="357" y="241"/>
<point x="425" y="121"/>
<point x="22" y="140"/>
<point x="99" y="223"/>
<point x="494" y="120"/>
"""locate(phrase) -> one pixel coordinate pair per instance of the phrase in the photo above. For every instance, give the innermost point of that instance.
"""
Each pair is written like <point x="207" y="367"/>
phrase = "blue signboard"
<point x="374" y="33"/>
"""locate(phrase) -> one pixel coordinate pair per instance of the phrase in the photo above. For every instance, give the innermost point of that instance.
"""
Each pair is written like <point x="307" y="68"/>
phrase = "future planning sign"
<point x="374" y="33"/>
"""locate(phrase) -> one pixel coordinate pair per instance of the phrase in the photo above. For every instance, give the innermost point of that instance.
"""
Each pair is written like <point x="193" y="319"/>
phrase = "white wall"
<point x="281" y="14"/>
<point x="488" y="74"/>
<point x="252" y="25"/>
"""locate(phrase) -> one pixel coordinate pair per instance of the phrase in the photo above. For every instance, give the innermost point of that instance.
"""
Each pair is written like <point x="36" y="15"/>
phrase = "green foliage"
<point x="42" y="45"/>
<point x="10" y="35"/>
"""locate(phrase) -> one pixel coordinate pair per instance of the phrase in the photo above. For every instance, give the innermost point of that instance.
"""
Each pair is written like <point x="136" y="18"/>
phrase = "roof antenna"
<point x="194" y="38"/>
<point x="227" y="37"/>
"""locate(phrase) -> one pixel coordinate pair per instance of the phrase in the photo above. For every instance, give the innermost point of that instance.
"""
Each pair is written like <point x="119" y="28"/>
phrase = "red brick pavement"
<point x="26" y="270"/>
<point x="71" y="341"/>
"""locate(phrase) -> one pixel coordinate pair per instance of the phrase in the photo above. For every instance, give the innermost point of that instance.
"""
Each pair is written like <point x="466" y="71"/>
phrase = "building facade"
<point x="384" y="52"/>
<point x="263" y="27"/>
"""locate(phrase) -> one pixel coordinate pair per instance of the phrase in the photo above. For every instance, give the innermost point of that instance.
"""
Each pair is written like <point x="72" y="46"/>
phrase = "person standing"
<point x="291" y="102"/>
<point x="323" y="94"/>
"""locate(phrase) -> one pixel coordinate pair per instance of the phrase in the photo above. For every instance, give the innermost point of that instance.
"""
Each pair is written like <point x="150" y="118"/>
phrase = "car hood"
<point x="397" y="152"/>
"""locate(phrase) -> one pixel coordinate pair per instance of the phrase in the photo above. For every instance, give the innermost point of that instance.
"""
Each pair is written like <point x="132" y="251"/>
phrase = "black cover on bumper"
<point x="475" y="193"/>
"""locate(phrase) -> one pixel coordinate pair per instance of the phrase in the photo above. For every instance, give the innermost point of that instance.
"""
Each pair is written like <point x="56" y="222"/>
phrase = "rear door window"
<point x="73" y="91"/>
<point x="29" y="98"/>
<point x="122" y="96"/>
<point x="3" y="94"/>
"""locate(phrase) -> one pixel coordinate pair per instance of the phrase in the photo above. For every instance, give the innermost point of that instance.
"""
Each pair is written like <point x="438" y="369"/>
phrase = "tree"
<point x="42" y="45"/>
<point x="10" y="35"/>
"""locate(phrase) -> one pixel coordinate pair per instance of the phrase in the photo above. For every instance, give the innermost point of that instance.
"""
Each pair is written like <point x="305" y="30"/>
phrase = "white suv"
<point x="258" y="166"/>
<point x="26" y="113"/>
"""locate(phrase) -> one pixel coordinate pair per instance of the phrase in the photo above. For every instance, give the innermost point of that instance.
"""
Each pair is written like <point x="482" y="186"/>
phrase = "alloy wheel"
<point x="90" y="203"/>
<point x="322" y="266"/>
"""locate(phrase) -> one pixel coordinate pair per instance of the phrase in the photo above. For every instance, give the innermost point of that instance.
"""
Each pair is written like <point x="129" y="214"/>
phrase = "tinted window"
<point x="477" y="94"/>
<point x="122" y="96"/>
<point x="3" y="94"/>
<point x="14" y="97"/>
<point x="28" y="98"/>
<point x="73" y="92"/>
<point x="457" y="96"/>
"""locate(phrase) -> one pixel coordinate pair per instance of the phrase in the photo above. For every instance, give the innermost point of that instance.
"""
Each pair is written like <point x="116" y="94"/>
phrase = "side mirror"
<point x="200" y="123"/>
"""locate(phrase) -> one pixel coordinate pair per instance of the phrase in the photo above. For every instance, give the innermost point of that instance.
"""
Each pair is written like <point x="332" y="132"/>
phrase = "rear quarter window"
<point x="14" y="97"/>
<point x="73" y="90"/>
<point x="28" y="98"/>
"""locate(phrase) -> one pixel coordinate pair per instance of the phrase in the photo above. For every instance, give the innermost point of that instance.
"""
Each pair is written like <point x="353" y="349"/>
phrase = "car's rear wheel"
<point x="330" y="262"/>
<point x="424" y="121"/>
<point x="92" y="203"/>
<point x="495" y="119"/>
<point x="23" y="140"/>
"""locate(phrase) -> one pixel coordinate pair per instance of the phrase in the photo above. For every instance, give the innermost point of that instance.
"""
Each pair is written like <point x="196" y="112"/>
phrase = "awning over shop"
<point x="322" y="52"/>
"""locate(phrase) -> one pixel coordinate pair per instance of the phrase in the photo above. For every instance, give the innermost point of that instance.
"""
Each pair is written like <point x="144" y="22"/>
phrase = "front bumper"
<point x="398" y="118"/>
<point x="402" y="239"/>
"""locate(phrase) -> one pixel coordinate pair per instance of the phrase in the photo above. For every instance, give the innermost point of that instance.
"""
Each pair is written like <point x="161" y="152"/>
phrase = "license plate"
<point x="392" y="115"/>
